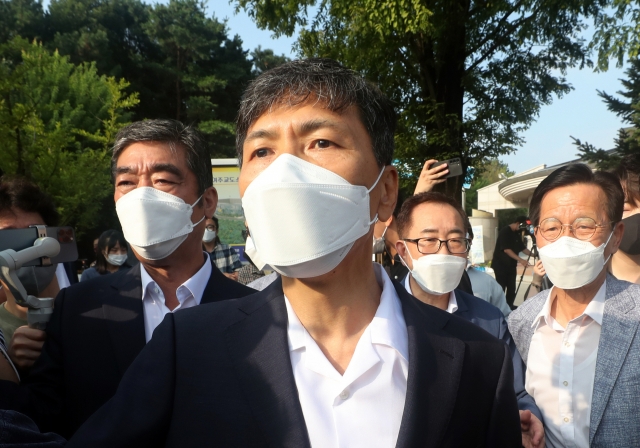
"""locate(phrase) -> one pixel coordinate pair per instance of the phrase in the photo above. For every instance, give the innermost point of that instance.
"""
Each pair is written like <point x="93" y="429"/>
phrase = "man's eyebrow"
<point x="313" y="125"/>
<point x="454" y="230"/>
<point x="155" y="168"/>
<point x="260" y="133"/>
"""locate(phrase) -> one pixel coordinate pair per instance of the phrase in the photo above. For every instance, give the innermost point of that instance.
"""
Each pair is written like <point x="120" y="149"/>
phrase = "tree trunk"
<point x="445" y="70"/>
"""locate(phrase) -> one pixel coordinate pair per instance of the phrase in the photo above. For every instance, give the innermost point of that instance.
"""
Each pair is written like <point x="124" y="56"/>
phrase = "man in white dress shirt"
<point x="163" y="192"/>
<point x="579" y="339"/>
<point x="333" y="353"/>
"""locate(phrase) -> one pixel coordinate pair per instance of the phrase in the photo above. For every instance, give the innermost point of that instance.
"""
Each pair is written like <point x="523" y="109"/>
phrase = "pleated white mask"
<point x="303" y="218"/>
<point x="155" y="223"/>
<point x="571" y="263"/>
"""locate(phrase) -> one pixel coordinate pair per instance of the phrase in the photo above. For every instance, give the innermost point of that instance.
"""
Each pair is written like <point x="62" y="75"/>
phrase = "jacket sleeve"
<point x="525" y="401"/>
<point x="504" y="425"/>
<point x="140" y="412"/>
<point x="40" y="396"/>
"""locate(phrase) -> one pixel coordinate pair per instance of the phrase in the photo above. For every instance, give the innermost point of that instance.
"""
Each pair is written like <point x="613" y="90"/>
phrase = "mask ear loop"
<point x="384" y="232"/>
<point x="375" y="218"/>
<point x="605" y="246"/>
<point x="203" y="216"/>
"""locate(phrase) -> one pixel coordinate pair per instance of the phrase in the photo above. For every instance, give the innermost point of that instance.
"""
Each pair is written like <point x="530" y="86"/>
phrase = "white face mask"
<point x="116" y="259"/>
<point x="155" y="223"/>
<point x="571" y="263"/>
<point x="437" y="274"/>
<point x="303" y="218"/>
<point x="209" y="235"/>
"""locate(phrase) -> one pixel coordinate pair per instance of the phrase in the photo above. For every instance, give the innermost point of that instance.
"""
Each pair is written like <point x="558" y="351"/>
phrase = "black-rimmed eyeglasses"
<point x="428" y="246"/>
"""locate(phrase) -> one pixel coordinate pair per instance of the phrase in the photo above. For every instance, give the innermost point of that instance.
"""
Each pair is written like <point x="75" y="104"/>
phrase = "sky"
<point x="580" y="114"/>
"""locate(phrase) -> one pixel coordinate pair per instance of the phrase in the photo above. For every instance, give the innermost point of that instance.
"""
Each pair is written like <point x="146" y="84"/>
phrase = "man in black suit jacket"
<point x="333" y="353"/>
<point x="99" y="327"/>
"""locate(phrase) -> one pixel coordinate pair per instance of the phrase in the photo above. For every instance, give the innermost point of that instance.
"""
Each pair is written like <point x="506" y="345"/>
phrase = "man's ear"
<point x="388" y="194"/>
<point x="616" y="238"/>
<point x="402" y="251"/>
<point x="210" y="201"/>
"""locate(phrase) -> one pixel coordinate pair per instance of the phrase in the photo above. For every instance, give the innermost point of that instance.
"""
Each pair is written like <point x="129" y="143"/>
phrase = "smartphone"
<point x="454" y="166"/>
<point x="18" y="239"/>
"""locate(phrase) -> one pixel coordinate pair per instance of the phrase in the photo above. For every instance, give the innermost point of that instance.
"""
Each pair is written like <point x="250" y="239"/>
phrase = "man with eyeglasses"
<point x="434" y="245"/>
<point x="579" y="339"/>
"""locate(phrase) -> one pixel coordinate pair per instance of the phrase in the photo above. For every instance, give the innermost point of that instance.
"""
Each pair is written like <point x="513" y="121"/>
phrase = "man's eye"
<point x="322" y="144"/>
<point x="262" y="152"/>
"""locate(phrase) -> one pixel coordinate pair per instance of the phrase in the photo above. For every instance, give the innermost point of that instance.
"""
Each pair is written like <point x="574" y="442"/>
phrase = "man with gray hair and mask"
<point x="163" y="194"/>
<point x="579" y="340"/>
<point x="333" y="353"/>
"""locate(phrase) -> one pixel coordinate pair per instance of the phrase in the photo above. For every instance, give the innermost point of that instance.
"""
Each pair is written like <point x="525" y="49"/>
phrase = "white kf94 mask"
<point x="303" y="218"/>
<point x="571" y="263"/>
<point x="155" y="223"/>
<point x="437" y="274"/>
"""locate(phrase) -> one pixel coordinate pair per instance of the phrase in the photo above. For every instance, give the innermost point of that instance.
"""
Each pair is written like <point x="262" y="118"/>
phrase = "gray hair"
<point x="175" y="134"/>
<point x="328" y="83"/>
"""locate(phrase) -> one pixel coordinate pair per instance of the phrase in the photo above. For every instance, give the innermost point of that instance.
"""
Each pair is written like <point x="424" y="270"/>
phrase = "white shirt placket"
<point x="565" y="377"/>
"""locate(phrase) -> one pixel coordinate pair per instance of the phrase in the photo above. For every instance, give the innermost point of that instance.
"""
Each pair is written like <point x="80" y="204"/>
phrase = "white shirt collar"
<point x="452" y="306"/>
<point x="595" y="308"/>
<point x="193" y="287"/>
<point x="388" y="326"/>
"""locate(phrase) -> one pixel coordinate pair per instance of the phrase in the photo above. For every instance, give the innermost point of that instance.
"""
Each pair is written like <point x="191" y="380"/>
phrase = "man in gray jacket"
<point x="578" y="339"/>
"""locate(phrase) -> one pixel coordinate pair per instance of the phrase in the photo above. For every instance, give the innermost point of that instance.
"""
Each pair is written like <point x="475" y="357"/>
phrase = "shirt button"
<point x="566" y="420"/>
<point x="155" y="290"/>
<point x="566" y="344"/>
<point x="566" y="383"/>
<point x="344" y="394"/>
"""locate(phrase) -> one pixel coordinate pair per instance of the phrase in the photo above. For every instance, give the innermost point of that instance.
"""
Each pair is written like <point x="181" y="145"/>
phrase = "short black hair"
<point x="330" y="84"/>
<point x="579" y="173"/>
<point x="521" y="219"/>
<point x="175" y="134"/>
<point x="18" y="192"/>
<point x="628" y="173"/>
<point x="404" y="217"/>
<point x="107" y="241"/>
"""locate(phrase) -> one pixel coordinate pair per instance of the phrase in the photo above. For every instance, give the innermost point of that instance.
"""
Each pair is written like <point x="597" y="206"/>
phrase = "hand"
<point x="532" y="430"/>
<point x="523" y="262"/>
<point x="232" y="276"/>
<point x="539" y="269"/>
<point x="25" y="346"/>
<point x="430" y="177"/>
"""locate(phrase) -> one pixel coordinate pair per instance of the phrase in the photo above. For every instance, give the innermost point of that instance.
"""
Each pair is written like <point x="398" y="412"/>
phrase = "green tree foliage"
<point x="57" y="120"/>
<point x="264" y="60"/>
<point x="202" y="71"/>
<point x="180" y="60"/>
<point x="628" y="110"/>
<point x="486" y="175"/>
<point x="468" y="75"/>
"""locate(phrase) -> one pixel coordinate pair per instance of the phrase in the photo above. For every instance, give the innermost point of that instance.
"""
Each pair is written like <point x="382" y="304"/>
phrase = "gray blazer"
<point x="615" y="406"/>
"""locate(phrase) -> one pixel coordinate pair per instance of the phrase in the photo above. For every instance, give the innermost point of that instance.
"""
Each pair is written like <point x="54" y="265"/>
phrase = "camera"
<point x="527" y="227"/>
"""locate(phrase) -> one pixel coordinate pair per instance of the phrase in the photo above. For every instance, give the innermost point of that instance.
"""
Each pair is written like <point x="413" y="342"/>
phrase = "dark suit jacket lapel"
<point x="435" y="366"/>
<point x="124" y="316"/>
<point x="218" y="286"/>
<point x="259" y="348"/>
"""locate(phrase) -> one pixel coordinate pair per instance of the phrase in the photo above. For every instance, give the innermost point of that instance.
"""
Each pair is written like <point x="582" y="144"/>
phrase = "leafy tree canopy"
<point x="627" y="109"/>
<point x="57" y="121"/>
<point x="179" y="58"/>
<point x="468" y="76"/>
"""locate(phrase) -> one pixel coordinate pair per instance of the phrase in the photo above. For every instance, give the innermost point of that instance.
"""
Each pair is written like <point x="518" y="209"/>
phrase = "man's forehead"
<point x="436" y="216"/>
<point x="15" y="218"/>
<point x="151" y="152"/>
<point x="574" y="199"/>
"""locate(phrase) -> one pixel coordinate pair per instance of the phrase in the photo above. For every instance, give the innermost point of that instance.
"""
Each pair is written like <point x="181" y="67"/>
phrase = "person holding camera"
<point x="506" y="258"/>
